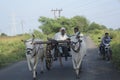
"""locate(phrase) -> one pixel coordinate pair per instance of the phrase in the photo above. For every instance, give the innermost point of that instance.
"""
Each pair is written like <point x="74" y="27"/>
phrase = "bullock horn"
<point x="33" y="35"/>
<point x="33" y="38"/>
<point x="23" y="41"/>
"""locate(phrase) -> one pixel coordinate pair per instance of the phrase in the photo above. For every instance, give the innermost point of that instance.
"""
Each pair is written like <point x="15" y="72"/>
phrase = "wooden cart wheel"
<point x="49" y="58"/>
<point x="48" y="64"/>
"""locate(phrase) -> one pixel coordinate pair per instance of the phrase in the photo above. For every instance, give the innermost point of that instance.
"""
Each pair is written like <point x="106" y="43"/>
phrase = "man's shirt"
<point x="77" y="34"/>
<point x="106" y="40"/>
<point x="59" y="36"/>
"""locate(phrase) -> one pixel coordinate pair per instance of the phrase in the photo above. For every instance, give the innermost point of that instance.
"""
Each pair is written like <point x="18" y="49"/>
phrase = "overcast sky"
<point x="17" y="13"/>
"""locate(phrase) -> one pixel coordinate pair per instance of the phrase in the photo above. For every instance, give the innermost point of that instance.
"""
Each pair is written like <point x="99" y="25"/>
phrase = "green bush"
<point x="12" y="49"/>
<point x="116" y="54"/>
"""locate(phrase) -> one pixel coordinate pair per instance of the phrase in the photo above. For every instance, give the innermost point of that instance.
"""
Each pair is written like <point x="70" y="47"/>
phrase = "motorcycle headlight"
<point x="106" y="48"/>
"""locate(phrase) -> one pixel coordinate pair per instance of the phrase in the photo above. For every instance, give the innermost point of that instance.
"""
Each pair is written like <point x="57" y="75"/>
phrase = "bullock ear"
<point x="33" y="35"/>
<point x="33" y="38"/>
<point x="23" y="41"/>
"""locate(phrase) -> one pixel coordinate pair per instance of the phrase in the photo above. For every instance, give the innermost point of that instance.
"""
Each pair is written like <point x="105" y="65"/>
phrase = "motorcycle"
<point x="105" y="51"/>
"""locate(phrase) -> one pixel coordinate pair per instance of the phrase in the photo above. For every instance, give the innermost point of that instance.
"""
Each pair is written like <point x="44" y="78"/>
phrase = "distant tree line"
<point x="3" y="34"/>
<point x="50" y="25"/>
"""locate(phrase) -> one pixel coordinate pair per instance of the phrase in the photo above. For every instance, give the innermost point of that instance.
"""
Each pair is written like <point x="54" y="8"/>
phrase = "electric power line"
<point x="57" y="12"/>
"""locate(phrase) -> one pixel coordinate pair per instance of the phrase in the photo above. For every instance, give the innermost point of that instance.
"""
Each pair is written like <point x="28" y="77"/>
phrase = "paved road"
<point x="93" y="68"/>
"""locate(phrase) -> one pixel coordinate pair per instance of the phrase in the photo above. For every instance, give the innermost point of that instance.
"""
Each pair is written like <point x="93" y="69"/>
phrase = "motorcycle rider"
<point x="105" y="40"/>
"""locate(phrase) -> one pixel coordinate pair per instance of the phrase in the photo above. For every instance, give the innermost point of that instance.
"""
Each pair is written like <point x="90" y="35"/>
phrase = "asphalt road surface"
<point x="93" y="68"/>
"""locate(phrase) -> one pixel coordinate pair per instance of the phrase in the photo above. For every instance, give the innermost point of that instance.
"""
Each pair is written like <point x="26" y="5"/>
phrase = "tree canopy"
<point x="50" y="25"/>
<point x="3" y="34"/>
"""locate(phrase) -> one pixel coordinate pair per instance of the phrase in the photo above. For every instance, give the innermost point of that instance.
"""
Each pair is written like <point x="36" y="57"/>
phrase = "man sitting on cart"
<point x="63" y="49"/>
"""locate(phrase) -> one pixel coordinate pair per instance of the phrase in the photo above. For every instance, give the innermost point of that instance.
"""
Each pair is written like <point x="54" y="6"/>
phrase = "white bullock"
<point x="34" y="53"/>
<point x="78" y="49"/>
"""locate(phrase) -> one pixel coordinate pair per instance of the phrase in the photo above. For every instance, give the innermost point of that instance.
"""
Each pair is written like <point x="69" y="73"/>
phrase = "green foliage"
<point x="118" y="29"/>
<point x="50" y="25"/>
<point x="113" y="34"/>
<point x="116" y="54"/>
<point x="94" y="34"/>
<point x="116" y="47"/>
<point x="94" y="26"/>
<point x="12" y="49"/>
<point x="3" y="34"/>
<point x="81" y="22"/>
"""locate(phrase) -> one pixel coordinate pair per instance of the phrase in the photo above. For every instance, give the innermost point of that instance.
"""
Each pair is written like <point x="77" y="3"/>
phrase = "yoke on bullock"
<point x="52" y="50"/>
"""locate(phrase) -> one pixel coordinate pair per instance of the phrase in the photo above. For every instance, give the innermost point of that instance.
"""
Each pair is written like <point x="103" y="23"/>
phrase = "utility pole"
<point x="54" y="11"/>
<point x="57" y="11"/>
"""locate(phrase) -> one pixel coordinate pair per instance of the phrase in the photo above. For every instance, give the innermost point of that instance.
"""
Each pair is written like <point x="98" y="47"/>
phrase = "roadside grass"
<point x="115" y="46"/>
<point x="12" y="49"/>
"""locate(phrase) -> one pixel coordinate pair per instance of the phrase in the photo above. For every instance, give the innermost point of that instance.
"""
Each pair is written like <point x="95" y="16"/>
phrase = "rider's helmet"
<point x="106" y="33"/>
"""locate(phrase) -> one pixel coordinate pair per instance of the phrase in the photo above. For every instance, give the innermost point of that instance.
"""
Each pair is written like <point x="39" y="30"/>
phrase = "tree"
<point x="50" y="25"/>
<point x="118" y="29"/>
<point x="94" y="26"/>
<point x="3" y="34"/>
<point x="103" y="27"/>
<point x="46" y="24"/>
<point x="81" y="22"/>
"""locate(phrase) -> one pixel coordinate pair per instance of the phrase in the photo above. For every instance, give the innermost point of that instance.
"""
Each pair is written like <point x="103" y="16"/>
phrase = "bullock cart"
<point x="50" y="54"/>
<point x="76" y="49"/>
